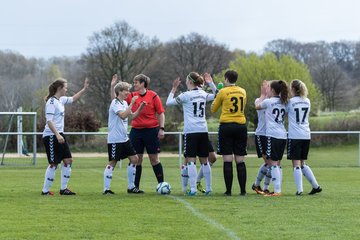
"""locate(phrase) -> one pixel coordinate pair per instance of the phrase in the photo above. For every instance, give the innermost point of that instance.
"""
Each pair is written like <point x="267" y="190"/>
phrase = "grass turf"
<point x="332" y="214"/>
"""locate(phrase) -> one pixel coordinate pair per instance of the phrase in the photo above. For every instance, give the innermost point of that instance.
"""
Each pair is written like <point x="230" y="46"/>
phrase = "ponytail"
<point x="195" y="78"/>
<point x="284" y="92"/>
<point x="280" y="88"/>
<point x="53" y="87"/>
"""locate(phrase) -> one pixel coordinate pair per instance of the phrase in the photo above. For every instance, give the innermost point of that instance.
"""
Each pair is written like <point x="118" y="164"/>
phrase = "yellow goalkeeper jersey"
<point x="232" y="100"/>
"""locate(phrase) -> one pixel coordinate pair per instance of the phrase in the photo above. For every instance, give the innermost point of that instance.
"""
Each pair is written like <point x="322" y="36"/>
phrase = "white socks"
<point x="108" y="177"/>
<point x="108" y="172"/>
<point x="276" y="177"/>
<point x="131" y="171"/>
<point x="298" y="179"/>
<point x="200" y="174"/>
<point x="184" y="178"/>
<point x="309" y="175"/>
<point x="192" y="176"/>
<point x="267" y="179"/>
<point x="49" y="178"/>
<point x="207" y="175"/>
<point x="261" y="174"/>
<point x="65" y="175"/>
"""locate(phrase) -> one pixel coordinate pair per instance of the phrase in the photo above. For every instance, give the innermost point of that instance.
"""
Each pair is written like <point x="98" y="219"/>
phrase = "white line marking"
<point x="198" y="214"/>
<point x="205" y="218"/>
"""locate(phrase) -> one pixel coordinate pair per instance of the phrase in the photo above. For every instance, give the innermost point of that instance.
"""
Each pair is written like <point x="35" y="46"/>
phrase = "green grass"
<point x="332" y="214"/>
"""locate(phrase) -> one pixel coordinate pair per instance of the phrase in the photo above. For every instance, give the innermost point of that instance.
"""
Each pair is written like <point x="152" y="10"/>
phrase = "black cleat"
<point x="108" y="192"/>
<point x="67" y="191"/>
<point x="298" y="193"/>
<point x="315" y="190"/>
<point x="243" y="194"/>
<point x="227" y="193"/>
<point x="49" y="193"/>
<point x="135" y="190"/>
<point x="257" y="189"/>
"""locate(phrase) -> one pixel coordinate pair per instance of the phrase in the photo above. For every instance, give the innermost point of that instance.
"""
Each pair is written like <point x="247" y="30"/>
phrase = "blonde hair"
<point x="53" y="87"/>
<point x="298" y="88"/>
<point x="121" y="86"/>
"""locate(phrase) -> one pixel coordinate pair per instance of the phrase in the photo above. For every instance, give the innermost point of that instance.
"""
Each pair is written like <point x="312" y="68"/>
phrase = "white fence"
<point x="179" y="134"/>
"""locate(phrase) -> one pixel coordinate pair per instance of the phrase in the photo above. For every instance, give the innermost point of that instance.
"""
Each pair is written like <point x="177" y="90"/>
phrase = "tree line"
<point x="330" y="70"/>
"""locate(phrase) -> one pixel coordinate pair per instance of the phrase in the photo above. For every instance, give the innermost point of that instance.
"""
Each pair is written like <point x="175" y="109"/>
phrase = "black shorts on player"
<point x="119" y="151"/>
<point x="145" y="138"/>
<point x="298" y="149"/>
<point x="194" y="145"/>
<point x="275" y="148"/>
<point x="56" y="151"/>
<point x="260" y="144"/>
<point x="232" y="139"/>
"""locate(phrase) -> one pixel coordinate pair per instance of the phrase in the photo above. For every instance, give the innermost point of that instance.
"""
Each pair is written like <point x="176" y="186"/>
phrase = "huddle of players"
<point x="271" y="136"/>
<point x="147" y="112"/>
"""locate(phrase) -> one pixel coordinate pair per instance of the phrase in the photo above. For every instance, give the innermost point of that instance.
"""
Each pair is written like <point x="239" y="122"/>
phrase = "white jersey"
<point x="193" y="102"/>
<point x="117" y="126"/>
<point x="274" y="117"/>
<point x="261" y="127"/>
<point x="55" y="112"/>
<point x="298" y="109"/>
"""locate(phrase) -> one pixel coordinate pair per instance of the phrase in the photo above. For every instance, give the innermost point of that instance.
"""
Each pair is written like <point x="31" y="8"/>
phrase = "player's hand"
<point x="86" y="83"/>
<point x="208" y="79"/>
<point x="114" y="80"/>
<point x="134" y="99"/>
<point x="60" y="139"/>
<point x="161" y="134"/>
<point x="264" y="88"/>
<point x="176" y="83"/>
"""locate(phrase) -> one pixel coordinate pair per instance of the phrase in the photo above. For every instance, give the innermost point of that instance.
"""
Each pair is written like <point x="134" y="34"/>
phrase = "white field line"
<point x="195" y="212"/>
<point x="205" y="218"/>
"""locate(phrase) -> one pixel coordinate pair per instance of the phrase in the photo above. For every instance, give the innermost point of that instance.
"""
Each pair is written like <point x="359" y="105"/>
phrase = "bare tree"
<point x="117" y="49"/>
<point x="185" y="54"/>
<point x="16" y="80"/>
<point x="332" y="66"/>
<point x="328" y="76"/>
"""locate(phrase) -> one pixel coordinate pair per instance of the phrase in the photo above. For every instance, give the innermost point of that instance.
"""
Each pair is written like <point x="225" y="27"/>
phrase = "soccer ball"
<point x="163" y="188"/>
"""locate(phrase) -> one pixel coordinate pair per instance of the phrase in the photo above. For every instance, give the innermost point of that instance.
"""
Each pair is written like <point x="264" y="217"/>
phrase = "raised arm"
<point x="263" y="94"/>
<point x="81" y="92"/>
<point x="114" y="81"/>
<point x="210" y="82"/>
<point x="171" y="101"/>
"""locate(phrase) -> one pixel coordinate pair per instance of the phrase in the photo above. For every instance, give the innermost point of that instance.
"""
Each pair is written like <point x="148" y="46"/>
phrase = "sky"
<point x="45" y="28"/>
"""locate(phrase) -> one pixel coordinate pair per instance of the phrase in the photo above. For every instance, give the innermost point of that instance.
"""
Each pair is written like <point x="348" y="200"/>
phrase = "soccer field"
<point x="332" y="214"/>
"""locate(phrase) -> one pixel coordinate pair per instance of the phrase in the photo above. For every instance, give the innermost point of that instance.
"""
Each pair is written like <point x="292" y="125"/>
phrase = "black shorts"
<point x="210" y="147"/>
<point x="119" y="151"/>
<point x="232" y="139"/>
<point x="260" y="143"/>
<point x="298" y="149"/>
<point x="196" y="144"/>
<point x="55" y="151"/>
<point x="145" y="138"/>
<point x="275" y="148"/>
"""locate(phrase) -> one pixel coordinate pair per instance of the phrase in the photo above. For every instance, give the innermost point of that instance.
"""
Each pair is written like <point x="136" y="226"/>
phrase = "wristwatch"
<point x="162" y="128"/>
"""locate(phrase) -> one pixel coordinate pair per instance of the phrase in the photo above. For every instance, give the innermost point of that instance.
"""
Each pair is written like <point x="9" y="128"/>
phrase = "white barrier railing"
<point x="166" y="133"/>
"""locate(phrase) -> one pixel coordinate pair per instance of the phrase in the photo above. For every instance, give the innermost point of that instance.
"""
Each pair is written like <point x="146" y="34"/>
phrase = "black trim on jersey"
<point x="118" y="100"/>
